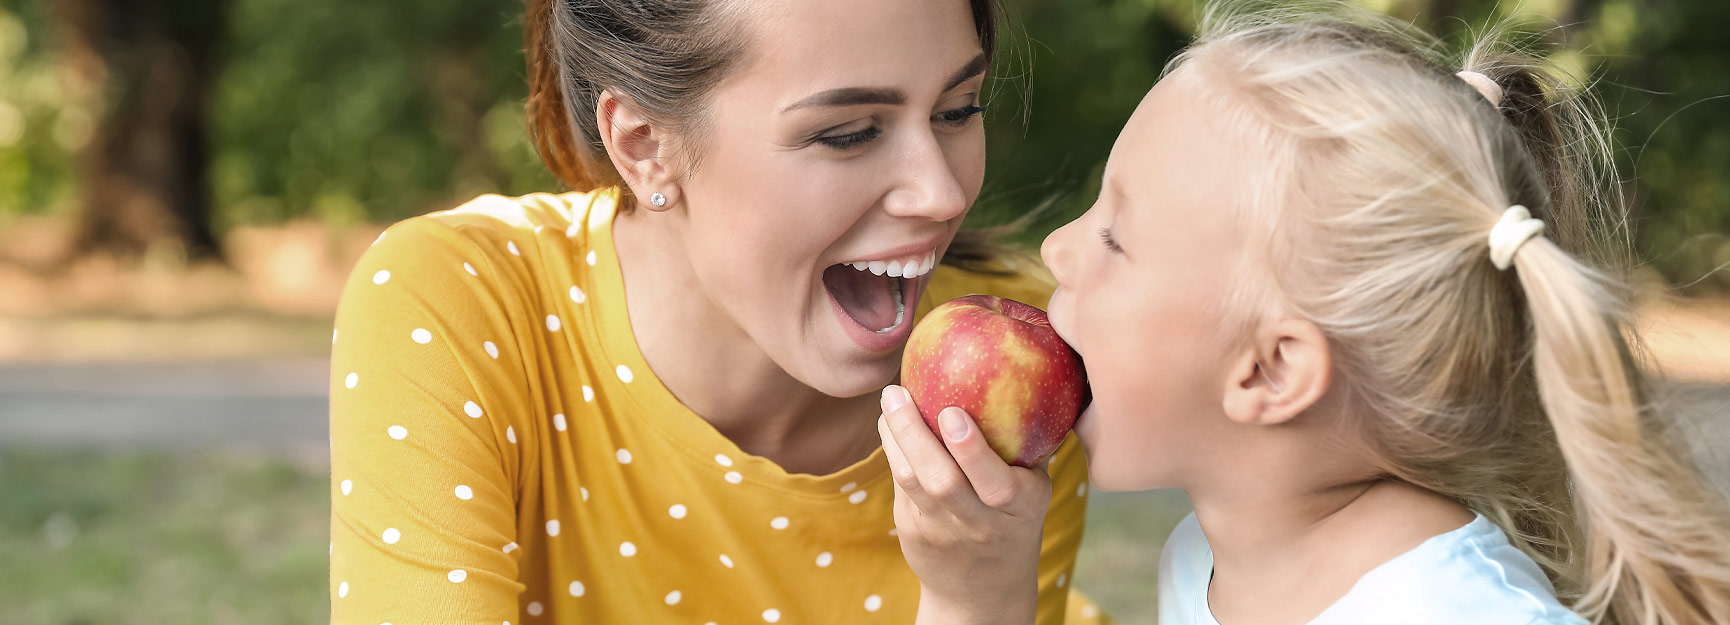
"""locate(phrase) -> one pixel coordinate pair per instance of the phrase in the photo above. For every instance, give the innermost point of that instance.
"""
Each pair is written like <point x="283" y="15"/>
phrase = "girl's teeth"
<point x="878" y="267"/>
<point x="894" y="269"/>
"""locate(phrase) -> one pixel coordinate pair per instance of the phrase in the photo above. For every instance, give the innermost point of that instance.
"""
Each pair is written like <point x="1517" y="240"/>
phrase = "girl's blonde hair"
<point x="1517" y="393"/>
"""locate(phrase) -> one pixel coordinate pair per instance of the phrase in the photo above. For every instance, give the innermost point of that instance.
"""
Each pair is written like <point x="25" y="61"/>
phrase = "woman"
<point x="654" y="400"/>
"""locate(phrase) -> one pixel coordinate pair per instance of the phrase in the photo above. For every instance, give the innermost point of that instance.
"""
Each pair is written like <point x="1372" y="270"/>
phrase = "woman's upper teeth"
<point x="898" y="268"/>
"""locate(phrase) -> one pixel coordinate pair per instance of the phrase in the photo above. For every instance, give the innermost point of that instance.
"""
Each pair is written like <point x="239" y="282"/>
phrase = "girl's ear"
<point x="636" y="148"/>
<point x="1286" y="368"/>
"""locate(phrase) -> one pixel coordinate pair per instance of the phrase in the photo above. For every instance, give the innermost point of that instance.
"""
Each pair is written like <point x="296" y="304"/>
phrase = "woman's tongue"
<point x="865" y="296"/>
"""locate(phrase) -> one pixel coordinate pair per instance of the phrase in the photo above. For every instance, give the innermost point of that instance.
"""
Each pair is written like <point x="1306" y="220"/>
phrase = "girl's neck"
<point x="1284" y="551"/>
<point x="714" y="368"/>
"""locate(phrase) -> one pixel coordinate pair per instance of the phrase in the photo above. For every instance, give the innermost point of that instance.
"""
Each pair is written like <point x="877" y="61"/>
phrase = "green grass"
<point x="107" y="538"/>
<point x="127" y="538"/>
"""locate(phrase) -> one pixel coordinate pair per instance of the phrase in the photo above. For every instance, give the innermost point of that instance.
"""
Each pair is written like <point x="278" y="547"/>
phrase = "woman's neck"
<point x="714" y="368"/>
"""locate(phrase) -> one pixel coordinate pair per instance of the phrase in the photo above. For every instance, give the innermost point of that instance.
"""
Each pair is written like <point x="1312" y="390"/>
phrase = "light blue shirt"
<point x="1469" y="575"/>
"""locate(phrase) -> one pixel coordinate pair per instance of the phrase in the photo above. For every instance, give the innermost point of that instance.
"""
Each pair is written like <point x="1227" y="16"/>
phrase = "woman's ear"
<point x="636" y="148"/>
<point x="1286" y="369"/>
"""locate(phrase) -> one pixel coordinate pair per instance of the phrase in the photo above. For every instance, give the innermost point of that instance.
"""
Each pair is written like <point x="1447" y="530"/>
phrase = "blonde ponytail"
<point x="1657" y="548"/>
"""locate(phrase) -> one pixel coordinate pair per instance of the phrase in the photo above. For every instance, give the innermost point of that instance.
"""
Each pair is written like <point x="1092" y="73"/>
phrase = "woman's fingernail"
<point x="893" y="397"/>
<point x="954" y="423"/>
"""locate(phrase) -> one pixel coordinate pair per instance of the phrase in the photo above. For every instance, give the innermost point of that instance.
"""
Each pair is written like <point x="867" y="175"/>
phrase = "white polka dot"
<point x="472" y="409"/>
<point x="342" y="590"/>
<point x="511" y="434"/>
<point x="1081" y="491"/>
<point x="856" y="497"/>
<point x="627" y="549"/>
<point x="624" y="456"/>
<point x="576" y="589"/>
<point x="492" y="350"/>
<point x="592" y="258"/>
<point x="347" y="485"/>
<point x="825" y="559"/>
<point x="421" y="335"/>
<point x="1062" y="578"/>
<point x="726" y="561"/>
<point x="509" y="547"/>
<point x="553" y="527"/>
<point x="381" y="277"/>
<point x="333" y="336"/>
<point x="464" y="492"/>
<point x="734" y="477"/>
<point x="559" y="422"/>
<point x="584" y="491"/>
<point x="673" y="598"/>
<point x="391" y="535"/>
<point x="380" y="237"/>
<point x="538" y="229"/>
<point x="457" y="576"/>
<point x="573" y="230"/>
<point x="873" y="603"/>
<point x="552" y="323"/>
<point x="471" y="269"/>
<point x="1090" y="611"/>
<point x="779" y="522"/>
<point x="577" y="295"/>
<point x="398" y="432"/>
<point x="625" y="373"/>
<point x="512" y="246"/>
<point x="771" y="615"/>
<point x="677" y="511"/>
<point x="352" y="379"/>
<point x="849" y="486"/>
<point x="535" y="608"/>
<point x="588" y="393"/>
<point x="723" y="460"/>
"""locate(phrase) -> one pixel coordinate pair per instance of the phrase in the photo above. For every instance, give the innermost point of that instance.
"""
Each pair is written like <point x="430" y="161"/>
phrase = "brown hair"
<point x="664" y="56"/>
<point x="1519" y="394"/>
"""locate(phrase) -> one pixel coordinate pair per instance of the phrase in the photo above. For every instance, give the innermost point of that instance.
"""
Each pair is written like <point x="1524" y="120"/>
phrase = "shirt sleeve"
<point x="423" y="465"/>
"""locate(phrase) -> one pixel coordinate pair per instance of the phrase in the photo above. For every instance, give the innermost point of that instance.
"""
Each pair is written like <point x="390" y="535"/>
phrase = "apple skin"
<point x="999" y="360"/>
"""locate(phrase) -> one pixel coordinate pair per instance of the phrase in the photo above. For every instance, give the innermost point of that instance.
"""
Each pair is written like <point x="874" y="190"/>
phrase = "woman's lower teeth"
<point x="900" y="309"/>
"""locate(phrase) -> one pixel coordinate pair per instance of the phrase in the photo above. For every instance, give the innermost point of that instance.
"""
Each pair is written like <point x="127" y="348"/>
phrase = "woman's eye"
<point x="960" y="116"/>
<point x="852" y="139"/>
<point x="1110" y="243"/>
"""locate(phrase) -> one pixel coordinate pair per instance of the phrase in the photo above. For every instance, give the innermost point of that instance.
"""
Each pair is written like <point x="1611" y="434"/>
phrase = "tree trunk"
<point x="142" y="178"/>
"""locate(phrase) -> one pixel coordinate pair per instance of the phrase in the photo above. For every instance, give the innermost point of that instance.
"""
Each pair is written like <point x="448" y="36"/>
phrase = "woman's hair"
<point x="664" y="57"/>
<point x="1517" y="393"/>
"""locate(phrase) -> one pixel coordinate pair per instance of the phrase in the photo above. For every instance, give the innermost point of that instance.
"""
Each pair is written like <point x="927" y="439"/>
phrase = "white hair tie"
<point x="1516" y="227"/>
<point x="1491" y="90"/>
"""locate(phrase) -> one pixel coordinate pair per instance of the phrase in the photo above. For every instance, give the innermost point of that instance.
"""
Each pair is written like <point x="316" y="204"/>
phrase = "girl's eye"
<point x="1110" y="243"/>
<point x="960" y="116"/>
<point x="851" y="140"/>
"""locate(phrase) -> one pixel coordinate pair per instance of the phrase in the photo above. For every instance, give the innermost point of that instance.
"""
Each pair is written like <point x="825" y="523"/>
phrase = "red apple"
<point x="999" y="360"/>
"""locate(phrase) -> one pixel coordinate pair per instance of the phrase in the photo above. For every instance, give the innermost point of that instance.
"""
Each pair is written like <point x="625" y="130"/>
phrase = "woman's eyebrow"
<point x="850" y="96"/>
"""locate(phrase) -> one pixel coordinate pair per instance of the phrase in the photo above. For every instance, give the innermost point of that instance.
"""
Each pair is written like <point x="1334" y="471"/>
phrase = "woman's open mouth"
<point x="871" y="298"/>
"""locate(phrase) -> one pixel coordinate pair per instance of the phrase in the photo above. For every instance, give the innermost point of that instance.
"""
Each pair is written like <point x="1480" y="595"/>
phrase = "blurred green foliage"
<point x="380" y="110"/>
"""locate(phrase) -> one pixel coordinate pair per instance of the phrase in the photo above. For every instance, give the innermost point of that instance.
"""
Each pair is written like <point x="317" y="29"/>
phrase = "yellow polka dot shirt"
<point x="501" y="453"/>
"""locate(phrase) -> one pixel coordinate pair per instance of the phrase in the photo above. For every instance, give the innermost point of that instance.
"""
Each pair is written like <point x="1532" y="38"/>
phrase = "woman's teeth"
<point x="900" y="308"/>
<point x="897" y="269"/>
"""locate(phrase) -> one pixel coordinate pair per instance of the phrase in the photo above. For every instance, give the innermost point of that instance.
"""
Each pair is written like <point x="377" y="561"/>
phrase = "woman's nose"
<point x="928" y="186"/>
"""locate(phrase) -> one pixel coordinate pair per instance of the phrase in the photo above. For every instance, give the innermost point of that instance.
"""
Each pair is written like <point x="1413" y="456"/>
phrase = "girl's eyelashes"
<point x="847" y="141"/>
<point x="1110" y="243"/>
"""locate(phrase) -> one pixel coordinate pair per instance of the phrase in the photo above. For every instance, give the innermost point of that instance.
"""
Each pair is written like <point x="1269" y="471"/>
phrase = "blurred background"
<point x="184" y="185"/>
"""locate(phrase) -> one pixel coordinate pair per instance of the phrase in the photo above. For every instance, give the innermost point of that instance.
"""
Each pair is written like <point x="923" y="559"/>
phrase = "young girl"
<point x="1359" y="304"/>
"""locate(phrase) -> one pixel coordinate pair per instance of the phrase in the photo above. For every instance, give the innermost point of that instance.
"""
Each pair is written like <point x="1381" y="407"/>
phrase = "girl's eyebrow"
<point x="851" y="96"/>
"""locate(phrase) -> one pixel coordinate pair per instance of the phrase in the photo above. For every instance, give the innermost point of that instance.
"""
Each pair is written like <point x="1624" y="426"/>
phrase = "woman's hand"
<point x="969" y="523"/>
